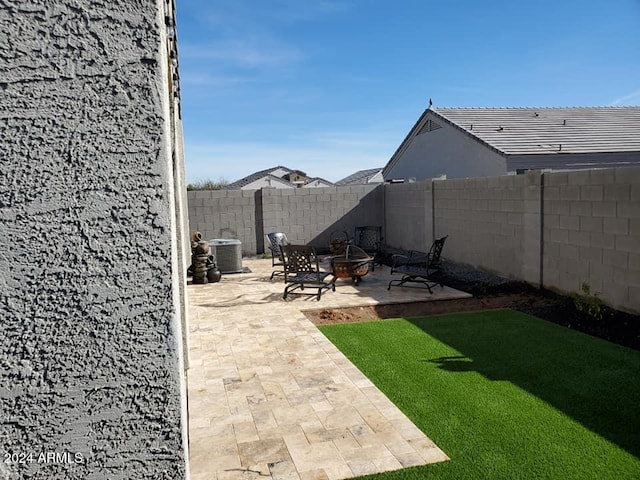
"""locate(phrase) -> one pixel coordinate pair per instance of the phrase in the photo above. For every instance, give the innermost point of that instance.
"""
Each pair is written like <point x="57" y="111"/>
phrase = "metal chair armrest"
<point x="396" y="257"/>
<point x="418" y="258"/>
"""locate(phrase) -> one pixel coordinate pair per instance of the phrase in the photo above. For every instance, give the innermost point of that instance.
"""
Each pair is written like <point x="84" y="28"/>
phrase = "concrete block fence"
<point x="556" y="230"/>
<point x="306" y="215"/>
<point x="408" y="215"/>
<point x="492" y="223"/>
<point x="591" y="225"/>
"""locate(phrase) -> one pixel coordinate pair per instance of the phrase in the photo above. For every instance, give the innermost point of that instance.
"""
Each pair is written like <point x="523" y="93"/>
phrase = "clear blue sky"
<point x="330" y="87"/>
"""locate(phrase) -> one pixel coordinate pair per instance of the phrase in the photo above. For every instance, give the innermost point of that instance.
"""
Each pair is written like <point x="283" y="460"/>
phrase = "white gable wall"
<point x="266" y="182"/>
<point x="446" y="151"/>
<point x="377" y="178"/>
<point x="317" y="184"/>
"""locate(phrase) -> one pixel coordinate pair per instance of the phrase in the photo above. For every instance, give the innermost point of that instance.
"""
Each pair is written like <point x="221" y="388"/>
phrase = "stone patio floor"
<point x="271" y="397"/>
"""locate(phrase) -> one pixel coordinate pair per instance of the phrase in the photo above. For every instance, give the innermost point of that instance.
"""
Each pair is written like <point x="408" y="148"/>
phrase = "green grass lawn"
<point x="505" y="395"/>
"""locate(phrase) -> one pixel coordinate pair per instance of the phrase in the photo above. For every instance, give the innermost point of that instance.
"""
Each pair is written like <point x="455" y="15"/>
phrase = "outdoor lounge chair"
<point x="369" y="239"/>
<point x="417" y="266"/>
<point x="302" y="271"/>
<point x="275" y="240"/>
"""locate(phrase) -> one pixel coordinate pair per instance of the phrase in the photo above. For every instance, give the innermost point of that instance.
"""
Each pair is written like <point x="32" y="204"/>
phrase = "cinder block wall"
<point x="408" y="214"/>
<point x="90" y="339"/>
<point x="306" y="215"/>
<point x="592" y="233"/>
<point x="492" y="223"/>
<point x="225" y="214"/>
<point x="555" y="230"/>
<point x="310" y="215"/>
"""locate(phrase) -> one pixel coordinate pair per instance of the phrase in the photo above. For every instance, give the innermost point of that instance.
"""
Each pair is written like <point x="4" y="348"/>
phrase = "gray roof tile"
<point x="238" y="184"/>
<point x="523" y="131"/>
<point x="361" y="176"/>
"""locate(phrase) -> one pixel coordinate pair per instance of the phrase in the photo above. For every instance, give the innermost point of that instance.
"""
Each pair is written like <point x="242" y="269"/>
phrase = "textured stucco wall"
<point x="89" y="334"/>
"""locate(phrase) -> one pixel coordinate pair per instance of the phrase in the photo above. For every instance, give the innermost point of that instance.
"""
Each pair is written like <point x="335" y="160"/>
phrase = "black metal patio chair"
<point x="369" y="239"/>
<point x="275" y="240"/>
<point x="302" y="271"/>
<point x="417" y="267"/>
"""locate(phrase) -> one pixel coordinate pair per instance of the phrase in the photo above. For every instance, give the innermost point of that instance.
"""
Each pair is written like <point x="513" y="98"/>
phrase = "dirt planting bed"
<point x="492" y="292"/>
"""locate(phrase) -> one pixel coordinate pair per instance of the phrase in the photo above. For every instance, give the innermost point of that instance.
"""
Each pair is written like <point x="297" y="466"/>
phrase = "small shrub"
<point x="588" y="303"/>
<point x="208" y="184"/>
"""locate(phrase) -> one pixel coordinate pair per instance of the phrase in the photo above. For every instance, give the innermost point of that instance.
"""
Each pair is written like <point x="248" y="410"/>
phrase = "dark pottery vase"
<point x="214" y="275"/>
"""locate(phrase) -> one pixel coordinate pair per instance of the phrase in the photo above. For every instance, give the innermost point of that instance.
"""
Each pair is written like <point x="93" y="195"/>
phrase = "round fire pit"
<point x="354" y="263"/>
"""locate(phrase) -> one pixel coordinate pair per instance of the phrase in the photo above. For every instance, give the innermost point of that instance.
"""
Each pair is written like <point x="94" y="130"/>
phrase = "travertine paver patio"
<point x="270" y="396"/>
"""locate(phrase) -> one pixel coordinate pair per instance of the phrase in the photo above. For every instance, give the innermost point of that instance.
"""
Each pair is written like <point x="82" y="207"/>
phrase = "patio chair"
<point x="369" y="239"/>
<point x="275" y="240"/>
<point x="418" y="266"/>
<point x="302" y="270"/>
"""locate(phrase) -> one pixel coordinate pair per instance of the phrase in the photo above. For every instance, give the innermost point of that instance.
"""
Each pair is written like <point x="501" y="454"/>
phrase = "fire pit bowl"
<point x="354" y="263"/>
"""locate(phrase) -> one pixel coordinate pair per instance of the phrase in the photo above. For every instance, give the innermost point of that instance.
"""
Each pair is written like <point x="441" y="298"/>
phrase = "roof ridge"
<point x="535" y="107"/>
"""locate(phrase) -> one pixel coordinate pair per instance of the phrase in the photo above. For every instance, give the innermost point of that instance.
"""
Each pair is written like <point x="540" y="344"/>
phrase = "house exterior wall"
<point x="377" y="178"/>
<point x="91" y="268"/>
<point x="446" y="151"/>
<point x="297" y="178"/>
<point x="316" y="184"/>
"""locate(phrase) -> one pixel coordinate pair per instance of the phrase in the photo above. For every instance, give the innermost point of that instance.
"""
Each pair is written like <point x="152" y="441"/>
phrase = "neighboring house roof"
<point x="524" y="131"/>
<point x="268" y="181"/>
<point x="317" y="182"/>
<point x="277" y="172"/>
<point x="274" y="177"/>
<point x="361" y="176"/>
<point x="537" y="131"/>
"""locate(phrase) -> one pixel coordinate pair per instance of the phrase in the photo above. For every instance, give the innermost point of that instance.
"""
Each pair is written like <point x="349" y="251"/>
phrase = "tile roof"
<point x="320" y="180"/>
<point x="239" y="184"/>
<point x="361" y="176"/>
<point x="525" y="131"/>
<point x="256" y="176"/>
